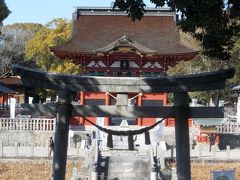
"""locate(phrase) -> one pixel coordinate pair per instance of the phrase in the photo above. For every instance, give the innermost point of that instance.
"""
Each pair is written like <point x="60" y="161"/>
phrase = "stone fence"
<point x="17" y="150"/>
<point x="28" y="124"/>
<point x="26" y="130"/>
<point x="228" y="128"/>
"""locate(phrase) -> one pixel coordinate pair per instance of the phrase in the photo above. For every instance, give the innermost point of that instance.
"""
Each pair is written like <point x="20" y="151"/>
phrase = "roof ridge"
<point x="117" y="9"/>
<point x="149" y="11"/>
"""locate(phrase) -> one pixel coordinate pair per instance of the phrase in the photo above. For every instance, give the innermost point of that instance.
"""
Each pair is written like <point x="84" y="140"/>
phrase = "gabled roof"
<point x="126" y="42"/>
<point x="99" y="29"/>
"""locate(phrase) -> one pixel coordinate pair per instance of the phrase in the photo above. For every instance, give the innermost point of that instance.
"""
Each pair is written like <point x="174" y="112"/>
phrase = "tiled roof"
<point x="11" y="80"/>
<point x="98" y="29"/>
<point x="208" y="121"/>
<point x="4" y="89"/>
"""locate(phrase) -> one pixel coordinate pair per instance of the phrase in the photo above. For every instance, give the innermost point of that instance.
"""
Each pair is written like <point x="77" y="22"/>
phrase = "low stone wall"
<point x="26" y="131"/>
<point x="31" y="151"/>
<point x="25" y="138"/>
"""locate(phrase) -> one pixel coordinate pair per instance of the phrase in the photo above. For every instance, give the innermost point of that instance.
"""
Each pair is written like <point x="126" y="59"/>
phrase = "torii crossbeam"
<point x="181" y="111"/>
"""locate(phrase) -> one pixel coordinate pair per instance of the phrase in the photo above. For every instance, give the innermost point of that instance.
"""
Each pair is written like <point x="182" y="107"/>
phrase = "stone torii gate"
<point x="180" y="86"/>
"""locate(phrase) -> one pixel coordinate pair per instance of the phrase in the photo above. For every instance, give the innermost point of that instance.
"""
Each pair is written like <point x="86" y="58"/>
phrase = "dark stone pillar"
<point x="61" y="135"/>
<point x="182" y="112"/>
<point x="130" y="143"/>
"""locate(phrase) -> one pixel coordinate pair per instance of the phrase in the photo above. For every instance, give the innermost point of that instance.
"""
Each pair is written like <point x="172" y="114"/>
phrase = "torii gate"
<point x="180" y="86"/>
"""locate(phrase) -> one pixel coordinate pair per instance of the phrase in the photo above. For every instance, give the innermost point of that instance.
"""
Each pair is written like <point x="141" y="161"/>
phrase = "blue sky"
<point x="43" y="11"/>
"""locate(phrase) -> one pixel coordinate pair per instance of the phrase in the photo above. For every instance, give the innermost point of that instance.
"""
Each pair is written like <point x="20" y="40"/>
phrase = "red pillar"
<point x="82" y="102"/>
<point x="139" y="103"/>
<point x="107" y="103"/>
<point x="165" y="121"/>
<point x="1" y="99"/>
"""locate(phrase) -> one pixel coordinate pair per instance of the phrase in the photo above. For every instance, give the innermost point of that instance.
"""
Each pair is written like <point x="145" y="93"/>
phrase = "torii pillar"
<point x="61" y="135"/>
<point x="182" y="114"/>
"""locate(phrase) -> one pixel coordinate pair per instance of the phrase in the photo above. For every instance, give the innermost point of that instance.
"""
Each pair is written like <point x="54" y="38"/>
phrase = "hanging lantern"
<point x="109" y="141"/>
<point x="147" y="138"/>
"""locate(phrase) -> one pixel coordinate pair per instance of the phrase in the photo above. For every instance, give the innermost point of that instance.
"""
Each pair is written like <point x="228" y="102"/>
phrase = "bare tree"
<point x="12" y="43"/>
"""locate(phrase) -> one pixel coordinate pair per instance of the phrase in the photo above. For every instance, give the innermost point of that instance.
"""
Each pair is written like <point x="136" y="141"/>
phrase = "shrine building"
<point x="106" y="42"/>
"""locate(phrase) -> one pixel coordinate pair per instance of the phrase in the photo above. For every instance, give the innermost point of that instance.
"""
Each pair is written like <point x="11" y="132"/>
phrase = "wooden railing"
<point x="27" y="123"/>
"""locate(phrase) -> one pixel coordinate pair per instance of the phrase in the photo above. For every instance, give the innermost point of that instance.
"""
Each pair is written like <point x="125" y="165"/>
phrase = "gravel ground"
<point x="34" y="169"/>
<point x="40" y="169"/>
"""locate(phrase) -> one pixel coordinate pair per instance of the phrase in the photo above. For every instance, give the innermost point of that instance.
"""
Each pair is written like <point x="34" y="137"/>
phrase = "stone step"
<point x="120" y="170"/>
<point x="129" y="168"/>
<point x="121" y="176"/>
<point x="122" y="163"/>
<point x="123" y="153"/>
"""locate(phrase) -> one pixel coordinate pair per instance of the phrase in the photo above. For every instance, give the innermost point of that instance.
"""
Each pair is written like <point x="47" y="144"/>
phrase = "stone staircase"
<point x="125" y="165"/>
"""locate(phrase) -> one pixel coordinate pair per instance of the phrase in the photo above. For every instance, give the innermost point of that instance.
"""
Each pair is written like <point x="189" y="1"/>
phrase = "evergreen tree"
<point x="4" y="12"/>
<point x="213" y="22"/>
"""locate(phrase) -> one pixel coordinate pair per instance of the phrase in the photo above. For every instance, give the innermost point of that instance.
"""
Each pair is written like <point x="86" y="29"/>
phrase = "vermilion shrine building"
<point x="106" y="42"/>
<point x="11" y="87"/>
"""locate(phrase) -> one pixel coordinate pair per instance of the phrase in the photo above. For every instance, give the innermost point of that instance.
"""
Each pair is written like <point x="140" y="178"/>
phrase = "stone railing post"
<point x="94" y="172"/>
<point x="1" y="148"/>
<point x="78" y="149"/>
<point x="153" y="165"/>
<point x="200" y="148"/>
<point x="96" y="159"/>
<point x="214" y="149"/>
<point x="162" y="160"/>
<point x="32" y="150"/>
<point x="74" y="174"/>
<point x="10" y="124"/>
<point x="46" y="144"/>
<point x="16" y="149"/>
<point x="227" y="152"/>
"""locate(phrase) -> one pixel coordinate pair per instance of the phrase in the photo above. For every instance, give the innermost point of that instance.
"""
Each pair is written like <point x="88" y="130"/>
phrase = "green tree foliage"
<point x="213" y="22"/>
<point x="13" y="40"/>
<point x="205" y="64"/>
<point x="4" y="11"/>
<point x="66" y="67"/>
<point x="235" y="62"/>
<point x="54" y="33"/>
<point x="198" y="65"/>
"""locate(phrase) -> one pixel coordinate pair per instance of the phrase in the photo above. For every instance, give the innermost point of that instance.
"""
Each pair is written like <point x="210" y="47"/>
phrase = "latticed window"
<point x="94" y="102"/>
